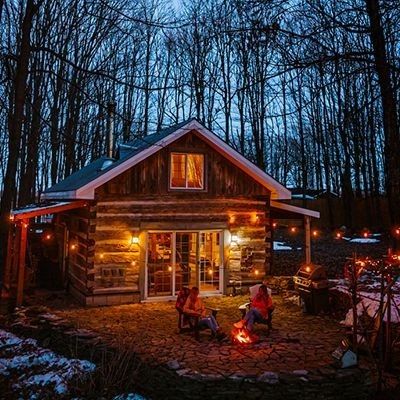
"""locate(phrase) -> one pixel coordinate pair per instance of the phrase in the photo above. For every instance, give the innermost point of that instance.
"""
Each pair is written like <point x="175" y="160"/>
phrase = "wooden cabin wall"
<point x="151" y="177"/>
<point x="81" y="225"/>
<point x="140" y="200"/>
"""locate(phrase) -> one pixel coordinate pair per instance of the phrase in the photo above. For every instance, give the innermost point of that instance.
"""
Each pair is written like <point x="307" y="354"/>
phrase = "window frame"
<point x="186" y="187"/>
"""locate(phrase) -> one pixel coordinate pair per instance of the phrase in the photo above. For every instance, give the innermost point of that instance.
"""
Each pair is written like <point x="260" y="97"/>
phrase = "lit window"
<point x="187" y="171"/>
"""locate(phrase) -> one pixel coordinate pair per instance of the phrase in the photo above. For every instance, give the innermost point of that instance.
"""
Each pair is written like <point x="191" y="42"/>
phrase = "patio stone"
<point x="293" y="359"/>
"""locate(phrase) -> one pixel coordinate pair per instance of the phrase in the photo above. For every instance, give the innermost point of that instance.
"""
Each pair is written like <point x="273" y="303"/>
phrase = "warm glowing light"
<point x="256" y="272"/>
<point x="243" y="336"/>
<point x="11" y="217"/>
<point x="48" y="236"/>
<point x="254" y="218"/>
<point x="234" y="239"/>
<point x="169" y="268"/>
<point x="397" y="231"/>
<point x="135" y="239"/>
<point x="232" y="219"/>
<point x="338" y="235"/>
<point x="293" y="229"/>
<point x="73" y="246"/>
<point x="101" y="255"/>
<point x="26" y="225"/>
<point x="315" y="233"/>
<point x="133" y="263"/>
<point x="275" y="224"/>
<point x="308" y="268"/>
<point x="365" y="234"/>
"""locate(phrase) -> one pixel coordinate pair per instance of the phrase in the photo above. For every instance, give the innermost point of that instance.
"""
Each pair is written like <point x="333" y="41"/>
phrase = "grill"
<point x="312" y="285"/>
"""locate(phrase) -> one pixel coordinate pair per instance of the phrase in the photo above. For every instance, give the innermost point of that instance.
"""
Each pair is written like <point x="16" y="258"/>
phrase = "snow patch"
<point x="281" y="246"/>
<point x="36" y="367"/>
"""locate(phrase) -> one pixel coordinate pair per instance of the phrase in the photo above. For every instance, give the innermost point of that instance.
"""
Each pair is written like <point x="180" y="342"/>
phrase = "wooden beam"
<point x="44" y="210"/>
<point x="307" y="238"/>
<point x="21" y="261"/>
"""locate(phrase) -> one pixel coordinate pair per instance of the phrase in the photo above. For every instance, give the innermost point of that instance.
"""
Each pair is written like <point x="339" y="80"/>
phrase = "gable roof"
<point x="82" y="184"/>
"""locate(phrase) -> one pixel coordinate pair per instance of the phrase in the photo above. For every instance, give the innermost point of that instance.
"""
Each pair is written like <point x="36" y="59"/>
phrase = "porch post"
<point x="21" y="261"/>
<point x="308" y="238"/>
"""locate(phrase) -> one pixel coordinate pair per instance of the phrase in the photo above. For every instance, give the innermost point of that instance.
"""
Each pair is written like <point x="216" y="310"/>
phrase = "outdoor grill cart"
<point x="312" y="285"/>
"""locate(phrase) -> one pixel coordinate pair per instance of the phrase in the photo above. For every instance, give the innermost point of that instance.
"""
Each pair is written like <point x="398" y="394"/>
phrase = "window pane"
<point x="195" y="170"/>
<point x="178" y="178"/>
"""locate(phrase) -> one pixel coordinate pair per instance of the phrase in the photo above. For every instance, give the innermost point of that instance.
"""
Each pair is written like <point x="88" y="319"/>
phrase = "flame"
<point x="243" y="336"/>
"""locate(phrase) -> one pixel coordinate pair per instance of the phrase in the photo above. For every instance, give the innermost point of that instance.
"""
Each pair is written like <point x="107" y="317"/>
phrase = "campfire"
<point x="243" y="336"/>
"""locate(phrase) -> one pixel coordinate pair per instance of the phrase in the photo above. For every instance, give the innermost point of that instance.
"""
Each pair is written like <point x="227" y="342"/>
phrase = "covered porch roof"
<point x="37" y="210"/>
<point x="287" y="211"/>
<point x="17" y="239"/>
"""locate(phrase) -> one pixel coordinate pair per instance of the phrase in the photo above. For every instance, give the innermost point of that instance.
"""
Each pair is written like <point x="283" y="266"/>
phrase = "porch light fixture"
<point x="235" y="239"/>
<point x="135" y="239"/>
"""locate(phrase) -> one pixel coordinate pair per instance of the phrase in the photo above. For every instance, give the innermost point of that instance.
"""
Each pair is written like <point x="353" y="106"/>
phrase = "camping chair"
<point x="243" y="308"/>
<point x="186" y="322"/>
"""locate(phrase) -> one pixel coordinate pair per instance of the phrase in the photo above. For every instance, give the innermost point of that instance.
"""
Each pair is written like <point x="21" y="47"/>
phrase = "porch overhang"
<point x="287" y="211"/>
<point x="17" y="243"/>
<point x="45" y="209"/>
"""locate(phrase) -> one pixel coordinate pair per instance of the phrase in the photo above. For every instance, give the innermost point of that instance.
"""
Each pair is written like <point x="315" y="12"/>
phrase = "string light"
<point x="293" y="229"/>
<point x="315" y="233"/>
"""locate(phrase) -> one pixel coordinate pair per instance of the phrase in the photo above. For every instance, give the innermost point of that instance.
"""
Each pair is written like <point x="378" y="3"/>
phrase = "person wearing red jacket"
<point x="259" y="309"/>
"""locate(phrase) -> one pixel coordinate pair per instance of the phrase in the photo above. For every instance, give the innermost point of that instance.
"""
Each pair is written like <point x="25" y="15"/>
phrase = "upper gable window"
<point x="187" y="171"/>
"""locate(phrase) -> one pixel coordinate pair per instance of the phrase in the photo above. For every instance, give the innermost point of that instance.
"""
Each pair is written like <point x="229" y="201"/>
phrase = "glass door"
<point x="177" y="259"/>
<point x="209" y="261"/>
<point x="159" y="264"/>
<point x="186" y="256"/>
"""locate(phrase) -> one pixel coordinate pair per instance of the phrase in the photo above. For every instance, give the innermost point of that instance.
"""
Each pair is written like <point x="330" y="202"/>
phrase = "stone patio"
<point x="292" y="361"/>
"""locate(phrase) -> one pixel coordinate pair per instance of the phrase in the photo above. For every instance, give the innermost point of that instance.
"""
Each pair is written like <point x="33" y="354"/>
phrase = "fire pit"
<point x="311" y="282"/>
<point x="243" y="337"/>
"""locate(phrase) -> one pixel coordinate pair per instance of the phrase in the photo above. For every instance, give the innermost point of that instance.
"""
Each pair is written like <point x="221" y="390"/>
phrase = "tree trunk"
<point x="390" y="121"/>
<point x="15" y="123"/>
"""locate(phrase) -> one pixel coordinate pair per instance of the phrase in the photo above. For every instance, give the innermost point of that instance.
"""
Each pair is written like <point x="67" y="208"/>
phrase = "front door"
<point x="176" y="259"/>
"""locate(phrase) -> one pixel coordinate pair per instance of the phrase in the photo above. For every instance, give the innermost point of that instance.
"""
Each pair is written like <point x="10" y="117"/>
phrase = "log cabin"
<point x="176" y="208"/>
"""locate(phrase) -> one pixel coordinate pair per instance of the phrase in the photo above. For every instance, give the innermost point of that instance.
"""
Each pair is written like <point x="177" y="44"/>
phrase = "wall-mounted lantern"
<point x="135" y="238"/>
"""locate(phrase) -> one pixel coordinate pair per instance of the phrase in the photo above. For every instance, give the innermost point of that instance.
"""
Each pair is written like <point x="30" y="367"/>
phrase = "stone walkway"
<point x="297" y="344"/>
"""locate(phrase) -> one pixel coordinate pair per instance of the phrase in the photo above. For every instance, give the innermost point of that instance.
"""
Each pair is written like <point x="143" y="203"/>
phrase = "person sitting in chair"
<point x="253" y="290"/>
<point x="180" y="304"/>
<point x="194" y="307"/>
<point x="260" y="307"/>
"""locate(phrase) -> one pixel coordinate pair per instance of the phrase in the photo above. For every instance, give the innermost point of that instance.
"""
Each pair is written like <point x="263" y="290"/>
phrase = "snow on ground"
<point x="361" y="240"/>
<point x="370" y="304"/>
<point x="32" y="368"/>
<point x="129" y="396"/>
<point x="281" y="246"/>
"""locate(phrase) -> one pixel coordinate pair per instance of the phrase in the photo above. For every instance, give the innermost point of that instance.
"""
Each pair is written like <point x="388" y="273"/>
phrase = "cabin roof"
<point x="82" y="184"/>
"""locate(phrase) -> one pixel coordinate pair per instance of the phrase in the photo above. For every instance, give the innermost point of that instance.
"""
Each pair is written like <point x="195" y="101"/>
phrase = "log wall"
<point x="139" y="200"/>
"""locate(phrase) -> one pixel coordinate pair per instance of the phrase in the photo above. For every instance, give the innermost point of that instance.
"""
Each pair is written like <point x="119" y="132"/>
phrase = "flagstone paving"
<point x="297" y="342"/>
<point x="293" y="361"/>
